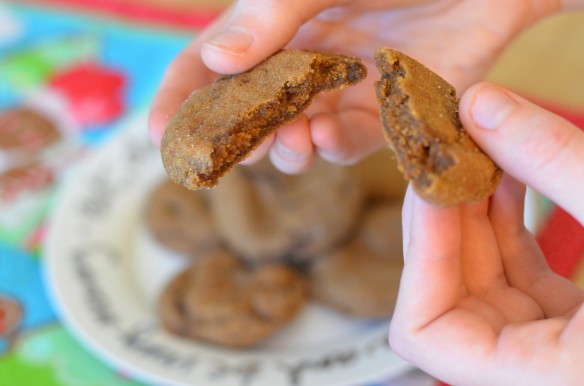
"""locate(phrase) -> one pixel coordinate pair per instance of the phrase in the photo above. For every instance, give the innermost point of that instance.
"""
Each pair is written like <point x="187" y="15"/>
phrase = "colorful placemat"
<point x="88" y="72"/>
<point x="85" y="74"/>
<point x="170" y="13"/>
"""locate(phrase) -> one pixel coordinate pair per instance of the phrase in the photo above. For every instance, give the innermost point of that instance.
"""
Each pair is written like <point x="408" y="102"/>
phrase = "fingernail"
<point x="287" y="154"/>
<point x="234" y="39"/>
<point x="490" y="108"/>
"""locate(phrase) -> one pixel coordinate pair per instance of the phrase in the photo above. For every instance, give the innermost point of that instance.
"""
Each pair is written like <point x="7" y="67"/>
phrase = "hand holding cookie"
<point x="219" y="125"/>
<point x="478" y="302"/>
<point x="536" y="147"/>
<point x="342" y="127"/>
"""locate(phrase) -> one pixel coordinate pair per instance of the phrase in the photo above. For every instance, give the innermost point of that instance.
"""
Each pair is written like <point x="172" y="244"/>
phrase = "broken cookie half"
<point x="219" y="125"/>
<point x="419" y="114"/>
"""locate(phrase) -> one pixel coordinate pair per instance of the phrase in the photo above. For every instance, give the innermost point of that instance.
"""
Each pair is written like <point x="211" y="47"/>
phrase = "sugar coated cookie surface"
<point x="219" y="125"/>
<point x="419" y="113"/>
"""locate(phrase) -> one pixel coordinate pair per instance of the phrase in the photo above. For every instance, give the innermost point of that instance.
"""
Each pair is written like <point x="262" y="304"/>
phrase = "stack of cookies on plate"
<point x="263" y="243"/>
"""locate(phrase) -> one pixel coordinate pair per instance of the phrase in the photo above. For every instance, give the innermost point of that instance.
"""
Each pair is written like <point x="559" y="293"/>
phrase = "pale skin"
<point x="344" y="127"/>
<point x="477" y="304"/>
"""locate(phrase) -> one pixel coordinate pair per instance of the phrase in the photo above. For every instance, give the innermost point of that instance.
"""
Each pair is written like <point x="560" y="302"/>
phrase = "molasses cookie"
<point x="218" y="300"/>
<point x="361" y="277"/>
<point x="419" y="113"/>
<point x="27" y="130"/>
<point x="219" y="125"/>
<point x="264" y="214"/>
<point x="180" y="220"/>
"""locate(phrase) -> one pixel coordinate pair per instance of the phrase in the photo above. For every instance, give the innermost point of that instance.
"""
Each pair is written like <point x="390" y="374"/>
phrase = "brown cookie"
<point x="33" y="176"/>
<point x="361" y="277"/>
<point x="264" y="214"/>
<point x="180" y="220"/>
<point x="419" y="113"/>
<point x="27" y="130"/>
<point x="219" y="125"/>
<point x="220" y="301"/>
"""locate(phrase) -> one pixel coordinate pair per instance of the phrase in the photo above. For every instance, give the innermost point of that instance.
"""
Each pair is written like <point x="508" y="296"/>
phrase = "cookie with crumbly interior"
<point x="419" y="113"/>
<point x="219" y="125"/>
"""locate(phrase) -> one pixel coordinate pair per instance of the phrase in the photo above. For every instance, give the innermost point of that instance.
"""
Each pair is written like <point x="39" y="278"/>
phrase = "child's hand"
<point x="457" y="38"/>
<point x="478" y="303"/>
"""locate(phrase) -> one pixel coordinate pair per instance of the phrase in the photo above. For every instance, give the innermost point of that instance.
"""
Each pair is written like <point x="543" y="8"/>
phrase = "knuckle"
<point x="400" y="341"/>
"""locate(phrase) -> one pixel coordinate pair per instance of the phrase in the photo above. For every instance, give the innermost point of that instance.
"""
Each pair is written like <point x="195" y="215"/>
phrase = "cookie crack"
<point x="420" y="158"/>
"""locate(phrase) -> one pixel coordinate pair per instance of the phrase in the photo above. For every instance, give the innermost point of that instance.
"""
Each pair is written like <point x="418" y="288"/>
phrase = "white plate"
<point x="105" y="273"/>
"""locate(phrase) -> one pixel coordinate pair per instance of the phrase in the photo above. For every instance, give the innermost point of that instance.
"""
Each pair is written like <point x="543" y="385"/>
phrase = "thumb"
<point x="255" y="30"/>
<point x="535" y="146"/>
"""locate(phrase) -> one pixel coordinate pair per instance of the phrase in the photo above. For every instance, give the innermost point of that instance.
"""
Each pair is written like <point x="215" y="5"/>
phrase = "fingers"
<point x="347" y="137"/>
<point x="185" y="74"/>
<point x="533" y="145"/>
<point x="182" y="77"/>
<point x="407" y="217"/>
<point x="575" y="327"/>
<point x="255" y="30"/>
<point x="292" y="151"/>
<point x="343" y="139"/>
<point x="481" y="263"/>
<point x="482" y="268"/>
<point x="572" y="5"/>
<point x="431" y="280"/>
<point x="525" y="266"/>
<point x="343" y="129"/>
<point x="428" y="328"/>
<point x="524" y="263"/>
